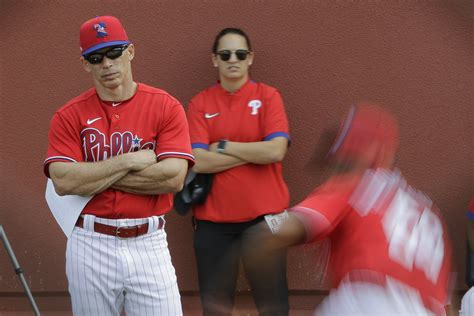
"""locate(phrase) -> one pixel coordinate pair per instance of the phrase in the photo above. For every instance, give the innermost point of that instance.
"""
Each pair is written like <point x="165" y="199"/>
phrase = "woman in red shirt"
<point x="239" y="133"/>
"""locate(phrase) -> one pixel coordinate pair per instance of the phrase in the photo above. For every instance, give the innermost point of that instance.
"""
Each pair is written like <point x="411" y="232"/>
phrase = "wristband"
<point x="221" y="146"/>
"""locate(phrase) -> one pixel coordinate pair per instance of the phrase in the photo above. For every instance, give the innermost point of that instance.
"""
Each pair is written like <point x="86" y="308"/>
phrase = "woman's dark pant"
<point x="219" y="248"/>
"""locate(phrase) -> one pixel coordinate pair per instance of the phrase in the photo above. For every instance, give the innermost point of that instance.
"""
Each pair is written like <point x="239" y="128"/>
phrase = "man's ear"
<point x="131" y="52"/>
<point x="85" y="64"/>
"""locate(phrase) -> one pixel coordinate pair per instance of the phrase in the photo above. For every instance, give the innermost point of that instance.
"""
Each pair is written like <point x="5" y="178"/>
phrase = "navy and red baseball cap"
<point x="364" y="125"/>
<point x="100" y="32"/>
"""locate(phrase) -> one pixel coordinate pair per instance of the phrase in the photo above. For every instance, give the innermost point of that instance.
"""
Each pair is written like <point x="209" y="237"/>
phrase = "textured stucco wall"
<point x="416" y="57"/>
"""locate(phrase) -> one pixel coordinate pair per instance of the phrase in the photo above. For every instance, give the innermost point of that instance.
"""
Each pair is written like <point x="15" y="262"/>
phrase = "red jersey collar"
<point x="245" y="87"/>
<point x="117" y="103"/>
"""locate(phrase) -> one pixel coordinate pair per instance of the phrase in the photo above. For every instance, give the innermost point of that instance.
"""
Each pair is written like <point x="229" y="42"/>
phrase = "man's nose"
<point x="106" y="62"/>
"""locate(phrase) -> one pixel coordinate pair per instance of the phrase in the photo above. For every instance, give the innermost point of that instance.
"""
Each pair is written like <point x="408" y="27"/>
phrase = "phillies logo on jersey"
<point x="96" y="147"/>
<point x="255" y="105"/>
<point x="100" y="29"/>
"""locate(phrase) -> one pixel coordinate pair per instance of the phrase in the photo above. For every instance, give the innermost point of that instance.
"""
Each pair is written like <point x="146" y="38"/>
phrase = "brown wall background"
<point x="416" y="57"/>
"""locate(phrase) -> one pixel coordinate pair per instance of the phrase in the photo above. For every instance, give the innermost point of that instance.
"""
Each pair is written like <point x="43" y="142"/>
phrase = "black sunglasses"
<point x="226" y="54"/>
<point x="112" y="53"/>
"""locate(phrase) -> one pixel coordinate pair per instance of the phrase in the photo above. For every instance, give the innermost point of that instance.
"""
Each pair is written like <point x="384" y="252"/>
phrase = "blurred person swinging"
<point x="390" y="253"/>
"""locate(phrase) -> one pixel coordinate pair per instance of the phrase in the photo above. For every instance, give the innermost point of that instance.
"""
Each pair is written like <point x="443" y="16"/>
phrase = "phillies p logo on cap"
<point x="100" y="29"/>
<point x="100" y="32"/>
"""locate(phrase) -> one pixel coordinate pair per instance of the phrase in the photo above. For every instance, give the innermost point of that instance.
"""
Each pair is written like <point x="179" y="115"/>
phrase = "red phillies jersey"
<point x="379" y="223"/>
<point x="252" y="114"/>
<point x="88" y="129"/>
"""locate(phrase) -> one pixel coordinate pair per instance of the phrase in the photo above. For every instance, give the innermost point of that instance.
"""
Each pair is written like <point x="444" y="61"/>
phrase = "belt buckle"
<point x="117" y="232"/>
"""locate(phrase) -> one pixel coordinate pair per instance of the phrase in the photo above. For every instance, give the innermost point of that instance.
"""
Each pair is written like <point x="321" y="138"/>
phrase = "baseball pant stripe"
<point x="107" y="274"/>
<point x="164" y="296"/>
<point x="467" y="303"/>
<point x="169" y="274"/>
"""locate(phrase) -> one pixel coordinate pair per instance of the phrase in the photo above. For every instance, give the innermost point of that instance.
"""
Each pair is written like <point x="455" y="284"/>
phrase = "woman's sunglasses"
<point x="112" y="53"/>
<point x="226" y="54"/>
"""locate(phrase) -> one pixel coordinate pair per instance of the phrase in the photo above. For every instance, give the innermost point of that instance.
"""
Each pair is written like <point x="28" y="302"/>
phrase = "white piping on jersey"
<point x="175" y="153"/>
<point x="59" y="157"/>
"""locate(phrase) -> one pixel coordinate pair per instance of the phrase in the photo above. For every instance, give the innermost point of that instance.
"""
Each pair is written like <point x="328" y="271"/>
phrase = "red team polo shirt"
<point x="87" y="129"/>
<point x="379" y="223"/>
<point x="252" y="114"/>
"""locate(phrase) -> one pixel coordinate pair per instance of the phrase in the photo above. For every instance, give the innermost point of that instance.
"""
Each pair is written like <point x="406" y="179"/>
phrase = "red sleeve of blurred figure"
<point x="325" y="207"/>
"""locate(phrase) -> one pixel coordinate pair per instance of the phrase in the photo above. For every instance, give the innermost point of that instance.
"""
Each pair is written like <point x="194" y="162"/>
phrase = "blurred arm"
<point x="300" y="227"/>
<point x="292" y="232"/>
<point x="315" y="225"/>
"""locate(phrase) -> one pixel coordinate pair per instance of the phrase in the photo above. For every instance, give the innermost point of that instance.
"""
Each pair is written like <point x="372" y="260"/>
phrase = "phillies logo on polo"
<point x="255" y="105"/>
<point x="96" y="148"/>
<point x="100" y="29"/>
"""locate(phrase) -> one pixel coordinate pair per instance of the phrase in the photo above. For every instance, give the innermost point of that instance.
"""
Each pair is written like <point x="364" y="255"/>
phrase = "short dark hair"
<point x="230" y="30"/>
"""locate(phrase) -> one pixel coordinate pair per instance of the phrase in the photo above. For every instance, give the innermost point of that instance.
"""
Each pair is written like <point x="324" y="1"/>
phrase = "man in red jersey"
<point x="127" y="145"/>
<point x="390" y="254"/>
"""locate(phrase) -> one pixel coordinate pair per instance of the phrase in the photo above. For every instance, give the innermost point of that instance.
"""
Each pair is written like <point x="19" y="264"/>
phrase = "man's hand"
<point x="165" y="176"/>
<point x="141" y="159"/>
<point x="89" y="178"/>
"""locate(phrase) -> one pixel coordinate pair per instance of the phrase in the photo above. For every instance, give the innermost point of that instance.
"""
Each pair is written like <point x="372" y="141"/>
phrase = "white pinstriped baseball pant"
<point x="107" y="274"/>
<point x="369" y="299"/>
<point x="467" y="303"/>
